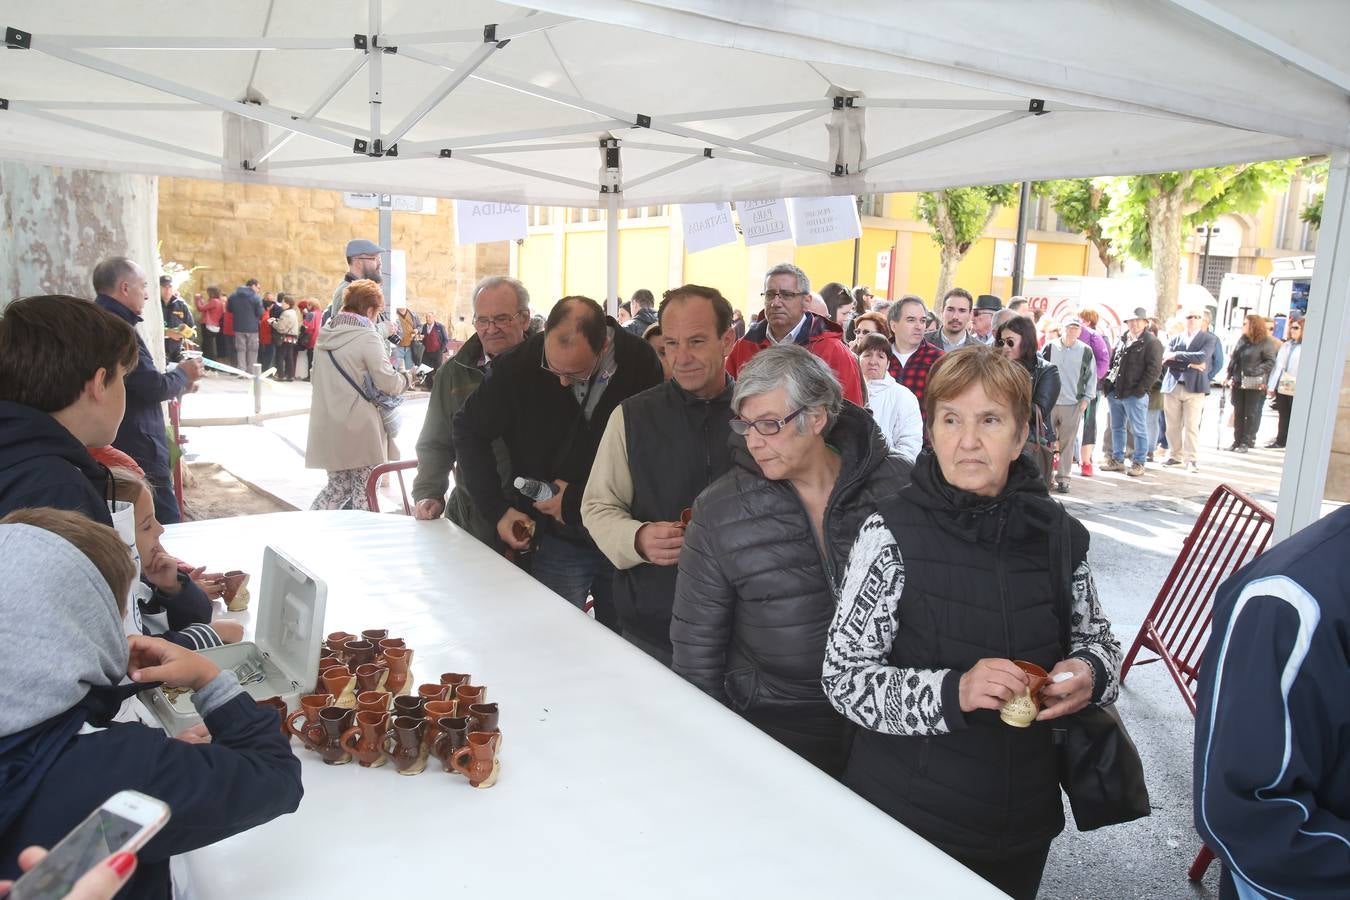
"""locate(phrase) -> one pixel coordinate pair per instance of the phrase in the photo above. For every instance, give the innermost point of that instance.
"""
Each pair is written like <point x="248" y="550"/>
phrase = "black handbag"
<point x="1099" y="766"/>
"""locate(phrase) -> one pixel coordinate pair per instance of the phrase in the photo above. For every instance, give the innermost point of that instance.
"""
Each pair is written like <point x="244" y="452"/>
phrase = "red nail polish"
<point x="122" y="863"/>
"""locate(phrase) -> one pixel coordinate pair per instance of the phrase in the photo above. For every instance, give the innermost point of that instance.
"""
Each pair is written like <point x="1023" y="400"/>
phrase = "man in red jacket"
<point x="787" y="321"/>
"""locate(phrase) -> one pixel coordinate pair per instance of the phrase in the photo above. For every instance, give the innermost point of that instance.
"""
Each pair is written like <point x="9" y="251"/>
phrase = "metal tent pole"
<point x="1020" y="251"/>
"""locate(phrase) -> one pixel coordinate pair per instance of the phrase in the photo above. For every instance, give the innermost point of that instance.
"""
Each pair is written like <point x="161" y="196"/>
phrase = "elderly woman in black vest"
<point x="762" y="559"/>
<point x="945" y="588"/>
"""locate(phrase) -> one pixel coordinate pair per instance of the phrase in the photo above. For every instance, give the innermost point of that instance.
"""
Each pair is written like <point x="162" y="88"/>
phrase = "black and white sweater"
<point x="860" y="682"/>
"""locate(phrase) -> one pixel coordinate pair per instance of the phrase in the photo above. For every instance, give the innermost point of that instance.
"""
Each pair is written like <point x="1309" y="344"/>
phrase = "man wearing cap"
<point x="177" y="319"/>
<point x="1135" y="366"/>
<point x="1077" y="385"/>
<point x="982" y="319"/>
<point x="1186" y="379"/>
<point x="363" y="261"/>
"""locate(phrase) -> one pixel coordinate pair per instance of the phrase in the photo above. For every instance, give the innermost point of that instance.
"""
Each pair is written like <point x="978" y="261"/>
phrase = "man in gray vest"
<point x="661" y="448"/>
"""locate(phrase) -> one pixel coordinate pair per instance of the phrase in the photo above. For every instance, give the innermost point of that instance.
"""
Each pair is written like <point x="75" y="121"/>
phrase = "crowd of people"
<point x="835" y="519"/>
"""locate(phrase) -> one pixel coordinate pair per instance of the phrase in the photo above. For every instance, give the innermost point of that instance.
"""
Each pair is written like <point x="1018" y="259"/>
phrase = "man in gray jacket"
<point x="1077" y="385"/>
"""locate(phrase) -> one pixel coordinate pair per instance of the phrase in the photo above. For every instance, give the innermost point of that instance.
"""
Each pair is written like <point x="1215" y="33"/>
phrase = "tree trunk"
<point x="949" y="258"/>
<point x="950" y="253"/>
<point x="1164" y="234"/>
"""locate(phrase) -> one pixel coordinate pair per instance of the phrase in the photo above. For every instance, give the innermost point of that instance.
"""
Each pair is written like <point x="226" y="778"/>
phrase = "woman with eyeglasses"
<point x="1248" y="373"/>
<point x="768" y="544"/>
<point x="1016" y="338"/>
<point x="1282" y="380"/>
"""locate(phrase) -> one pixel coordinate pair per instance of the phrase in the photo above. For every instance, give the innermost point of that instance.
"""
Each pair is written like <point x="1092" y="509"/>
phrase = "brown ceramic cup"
<point x="453" y="680"/>
<point x="326" y="734"/>
<point x="280" y="706"/>
<point x="236" y="591"/>
<point x="686" y="516"/>
<point x="483" y="717"/>
<point x="370" y="677"/>
<point x="365" y="739"/>
<point x="1021" y="710"/>
<point x="435" y="709"/>
<point x="403" y="744"/>
<point x="386" y="644"/>
<point x="310" y="704"/>
<point x="432" y="691"/>
<point x="336" y="680"/>
<point x="477" y="760"/>
<point x="359" y="653"/>
<point x="372" y="701"/>
<point x="334" y="641"/>
<point x="411" y="706"/>
<point x="467" y="695"/>
<point x="375" y="635"/>
<point x="398" y="659"/>
<point x="452" y="733"/>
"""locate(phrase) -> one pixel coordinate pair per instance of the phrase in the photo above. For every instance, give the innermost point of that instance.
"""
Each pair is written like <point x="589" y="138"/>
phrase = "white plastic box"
<point x="290" y="608"/>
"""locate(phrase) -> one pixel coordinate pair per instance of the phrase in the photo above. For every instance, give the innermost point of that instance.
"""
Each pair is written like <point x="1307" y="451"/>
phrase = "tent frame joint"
<point x="490" y="34"/>
<point x="4" y="104"/>
<point x="1037" y="107"/>
<point x="446" y="153"/>
<point x="643" y="121"/>
<point x="361" y="42"/>
<point x="707" y="153"/>
<point x="842" y="102"/>
<point x="18" y="40"/>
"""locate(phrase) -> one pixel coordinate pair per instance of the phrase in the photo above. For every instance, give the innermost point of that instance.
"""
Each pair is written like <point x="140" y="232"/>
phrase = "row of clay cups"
<point x="466" y="744"/>
<point x="370" y="646"/>
<point x="389" y="673"/>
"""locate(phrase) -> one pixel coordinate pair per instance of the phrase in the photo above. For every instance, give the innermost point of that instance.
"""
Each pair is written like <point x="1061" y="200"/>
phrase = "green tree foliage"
<point x="1082" y="204"/>
<point x="1316" y="172"/>
<point x="958" y="217"/>
<point x="1149" y="214"/>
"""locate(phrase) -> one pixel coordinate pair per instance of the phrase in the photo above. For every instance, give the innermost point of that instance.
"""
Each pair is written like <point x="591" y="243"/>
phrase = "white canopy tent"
<point x="621" y="103"/>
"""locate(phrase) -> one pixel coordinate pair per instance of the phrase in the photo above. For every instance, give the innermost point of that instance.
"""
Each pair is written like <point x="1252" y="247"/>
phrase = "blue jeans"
<point x="404" y="355"/>
<point x="572" y="571"/>
<point x="1131" y="410"/>
<point x="1156" y="430"/>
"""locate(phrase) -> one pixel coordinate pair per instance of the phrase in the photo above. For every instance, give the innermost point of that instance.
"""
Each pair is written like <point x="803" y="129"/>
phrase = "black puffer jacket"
<point x="1044" y="395"/>
<point x="1252" y="359"/>
<point x="754" y="597"/>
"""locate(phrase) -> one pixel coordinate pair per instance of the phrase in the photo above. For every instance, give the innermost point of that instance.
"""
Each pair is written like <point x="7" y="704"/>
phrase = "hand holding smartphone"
<point x="122" y="825"/>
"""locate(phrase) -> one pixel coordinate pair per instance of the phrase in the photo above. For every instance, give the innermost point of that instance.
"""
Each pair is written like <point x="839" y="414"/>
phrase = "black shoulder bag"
<point x="1099" y="766"/>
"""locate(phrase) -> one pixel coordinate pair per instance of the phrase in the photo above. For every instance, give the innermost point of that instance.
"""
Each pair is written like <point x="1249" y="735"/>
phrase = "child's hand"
<point x="211" y="583"/>
<point x="230" y="632"/>
<point x="155" y="659"/>
<point x="161" y="570"/>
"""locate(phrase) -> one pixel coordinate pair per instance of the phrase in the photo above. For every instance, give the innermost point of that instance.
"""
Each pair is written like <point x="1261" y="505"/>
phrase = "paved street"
<point x="1137" y="527"/>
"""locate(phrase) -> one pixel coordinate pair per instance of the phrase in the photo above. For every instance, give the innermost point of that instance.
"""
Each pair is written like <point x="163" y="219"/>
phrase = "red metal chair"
<point x="373" y="483"/>
<point x="1232" y="530"/>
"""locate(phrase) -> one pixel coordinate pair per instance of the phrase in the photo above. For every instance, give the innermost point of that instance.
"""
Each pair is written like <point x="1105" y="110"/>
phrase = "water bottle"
<point x="538" y="491"/>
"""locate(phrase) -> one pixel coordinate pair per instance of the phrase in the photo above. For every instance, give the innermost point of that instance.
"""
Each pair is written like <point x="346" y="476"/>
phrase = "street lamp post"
<point x="1208" y="231"/>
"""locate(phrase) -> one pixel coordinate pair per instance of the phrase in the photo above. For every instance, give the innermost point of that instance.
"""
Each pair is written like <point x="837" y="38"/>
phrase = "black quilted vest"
<point x="977" y="584"/>
<point x="677" y="446"/>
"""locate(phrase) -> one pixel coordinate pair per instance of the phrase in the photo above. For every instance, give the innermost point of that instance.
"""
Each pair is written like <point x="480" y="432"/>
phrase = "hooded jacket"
<point x="53" y="774"/>
<point x="346" y="430"/>
<point x="42" y="464"/>
<point x="819" y="335"/>
<point x="755" y="595"/>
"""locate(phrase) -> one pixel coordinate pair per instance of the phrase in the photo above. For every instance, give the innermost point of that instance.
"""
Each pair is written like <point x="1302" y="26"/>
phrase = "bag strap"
<point x="1061" y="575"/>
<point x="343" y="372"/>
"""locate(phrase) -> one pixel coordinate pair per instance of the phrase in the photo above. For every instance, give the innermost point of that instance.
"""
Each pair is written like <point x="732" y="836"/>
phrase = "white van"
<point x="1274" y="296"/>
<point x="1058" y="296"/>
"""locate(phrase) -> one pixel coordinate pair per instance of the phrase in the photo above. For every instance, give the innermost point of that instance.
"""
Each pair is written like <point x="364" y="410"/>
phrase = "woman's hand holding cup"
<point x="990" y="683"/>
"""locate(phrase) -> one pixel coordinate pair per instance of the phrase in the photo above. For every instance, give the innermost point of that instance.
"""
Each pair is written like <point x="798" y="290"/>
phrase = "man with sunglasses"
<point x="1186" y="380"/>
<point x="548" y="402"/>
<point x="501" y="319"/>
<point x="788" y="321"/>
<point x="660" y="450"/>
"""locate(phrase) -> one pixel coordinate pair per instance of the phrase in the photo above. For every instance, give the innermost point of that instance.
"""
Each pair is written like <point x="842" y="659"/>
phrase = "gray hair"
<point x="803" y="283"/>
<point x="1007" y="314"/>
<point x="492" y="281"/>
<point x="111" y="272"/>
<point x="806" y="379"/>
<point x="893" y="312"/>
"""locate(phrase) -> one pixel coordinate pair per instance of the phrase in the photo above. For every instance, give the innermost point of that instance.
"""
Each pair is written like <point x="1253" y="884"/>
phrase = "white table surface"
<point x="618" y="779"/>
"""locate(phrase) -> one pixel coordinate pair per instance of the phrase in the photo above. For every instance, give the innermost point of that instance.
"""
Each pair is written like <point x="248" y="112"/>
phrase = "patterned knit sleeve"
<point x="1090" y="637"/>
<point x="856" y="677"/>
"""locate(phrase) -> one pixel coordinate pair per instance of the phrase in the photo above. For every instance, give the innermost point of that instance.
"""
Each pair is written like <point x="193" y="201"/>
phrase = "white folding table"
<point x="618" y="779"/>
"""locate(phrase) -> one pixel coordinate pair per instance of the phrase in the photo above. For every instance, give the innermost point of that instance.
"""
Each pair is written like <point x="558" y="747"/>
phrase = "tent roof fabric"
<point x="709" y="99"/>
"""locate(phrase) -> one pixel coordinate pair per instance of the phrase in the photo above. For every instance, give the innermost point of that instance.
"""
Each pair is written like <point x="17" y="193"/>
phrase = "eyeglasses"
<point x="766" y="427"/>
<point x="1006" y="342"/>
<point x="570" y="378"/>
<point x="1193" y="317"/>
<point x="781" y="295"/>
<point x="501" y="321"/>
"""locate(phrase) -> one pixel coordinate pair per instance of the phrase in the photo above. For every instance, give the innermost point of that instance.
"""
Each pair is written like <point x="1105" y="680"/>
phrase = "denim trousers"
<point x="574" y="570"/>
<point x="1130" y="411"/>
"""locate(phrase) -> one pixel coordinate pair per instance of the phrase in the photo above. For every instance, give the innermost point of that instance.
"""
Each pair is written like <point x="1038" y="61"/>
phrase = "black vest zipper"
<point x="1000" y="574"/>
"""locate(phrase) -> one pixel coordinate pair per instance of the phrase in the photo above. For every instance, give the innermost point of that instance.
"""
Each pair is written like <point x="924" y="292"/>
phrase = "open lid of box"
<point x="291" y="603"/>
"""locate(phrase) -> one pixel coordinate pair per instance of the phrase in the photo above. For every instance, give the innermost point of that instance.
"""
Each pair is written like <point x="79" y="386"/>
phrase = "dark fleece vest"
<point x="977" y="585"/>
<point x="677" y="446"/>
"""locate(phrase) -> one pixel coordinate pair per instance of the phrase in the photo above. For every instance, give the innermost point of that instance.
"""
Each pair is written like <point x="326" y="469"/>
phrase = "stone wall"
<point x="292" y="239"/>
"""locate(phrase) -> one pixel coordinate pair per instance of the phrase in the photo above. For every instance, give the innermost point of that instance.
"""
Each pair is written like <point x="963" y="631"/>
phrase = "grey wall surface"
<point x="56" y="223"/>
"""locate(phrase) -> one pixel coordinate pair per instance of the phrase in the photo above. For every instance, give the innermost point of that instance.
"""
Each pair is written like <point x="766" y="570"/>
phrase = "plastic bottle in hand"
<point x="538" y="491"/>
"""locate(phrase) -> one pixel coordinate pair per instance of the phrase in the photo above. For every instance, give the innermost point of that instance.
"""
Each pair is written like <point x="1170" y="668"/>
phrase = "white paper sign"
<point x="397" y="282"/>
<point x="477" y="222"/>
<point x="822" y="220"/>
<point x="882" y="286"/>
<point x="764" y="221"/>
<point x="707" y="225"/>
<point x="396" y="202"/>
<point x="1003" y="259"/>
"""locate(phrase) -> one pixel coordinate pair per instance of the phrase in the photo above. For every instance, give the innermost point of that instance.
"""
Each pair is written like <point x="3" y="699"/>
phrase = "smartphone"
<point x="124" y="823"/>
